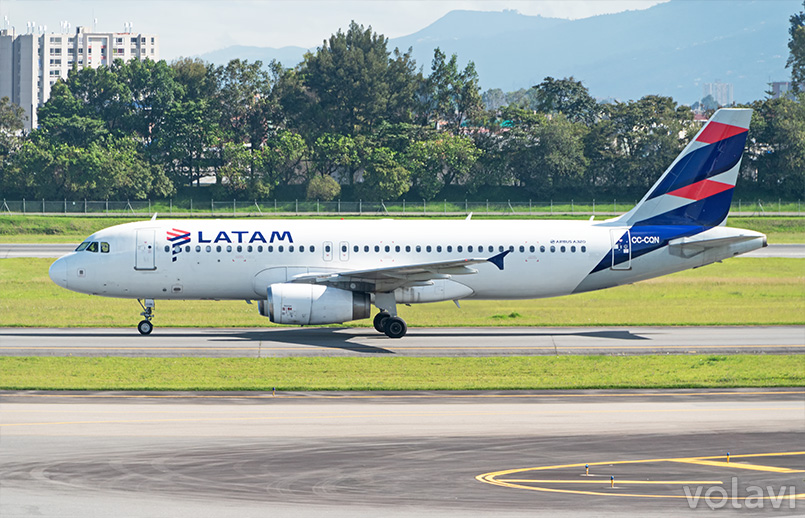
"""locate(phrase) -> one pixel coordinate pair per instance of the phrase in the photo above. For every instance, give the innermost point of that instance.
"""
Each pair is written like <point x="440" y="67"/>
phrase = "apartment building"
<point x="30" y="64"/>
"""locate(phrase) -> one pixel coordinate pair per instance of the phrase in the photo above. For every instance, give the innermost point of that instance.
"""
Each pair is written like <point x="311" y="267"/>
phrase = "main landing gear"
<point x="145" y="327"/>
<point x="387" y="320"/>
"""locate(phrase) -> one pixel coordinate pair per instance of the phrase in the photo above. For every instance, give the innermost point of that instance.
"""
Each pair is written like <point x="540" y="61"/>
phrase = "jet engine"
<point x="304" y="304"/>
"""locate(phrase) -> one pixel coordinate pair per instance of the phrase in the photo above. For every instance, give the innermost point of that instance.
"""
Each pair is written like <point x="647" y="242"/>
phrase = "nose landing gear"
<point x="145" y="327"/>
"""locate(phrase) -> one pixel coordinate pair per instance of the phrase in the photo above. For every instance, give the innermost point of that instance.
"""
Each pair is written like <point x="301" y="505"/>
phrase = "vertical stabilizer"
<point x="697" y="188"/>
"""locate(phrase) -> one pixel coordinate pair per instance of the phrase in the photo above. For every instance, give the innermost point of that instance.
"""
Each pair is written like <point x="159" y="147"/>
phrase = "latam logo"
<point x="243" y="236"/>
<point x="177" y="238"/>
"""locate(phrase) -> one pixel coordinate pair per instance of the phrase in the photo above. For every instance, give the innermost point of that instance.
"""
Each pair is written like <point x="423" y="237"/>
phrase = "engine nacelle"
<point x="305" y="304"/>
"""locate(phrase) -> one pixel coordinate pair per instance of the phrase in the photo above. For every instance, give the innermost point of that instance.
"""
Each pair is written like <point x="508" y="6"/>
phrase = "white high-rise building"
<point x="30" y="64"/>
<point x="721" y="92"/>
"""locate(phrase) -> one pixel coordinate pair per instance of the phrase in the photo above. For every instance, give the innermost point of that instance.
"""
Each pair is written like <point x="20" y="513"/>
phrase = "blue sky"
<point x="188" y="28"/>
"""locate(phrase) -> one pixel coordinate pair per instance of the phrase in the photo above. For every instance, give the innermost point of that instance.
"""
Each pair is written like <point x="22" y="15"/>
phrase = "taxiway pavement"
<point x="401" y="454"/>
<point x="487" y="341"/>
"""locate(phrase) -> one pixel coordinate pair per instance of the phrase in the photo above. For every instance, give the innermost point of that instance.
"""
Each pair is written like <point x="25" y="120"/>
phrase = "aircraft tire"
<point x="145" y="327"/>
<point x="395" y="327"/>
<point x="380" y="321"/>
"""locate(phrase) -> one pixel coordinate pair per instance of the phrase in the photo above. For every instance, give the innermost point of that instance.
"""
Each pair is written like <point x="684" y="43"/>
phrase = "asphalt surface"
<point x="11" y="250"/>
<point x="402" y="454"/>
<point x="362" y="342"/>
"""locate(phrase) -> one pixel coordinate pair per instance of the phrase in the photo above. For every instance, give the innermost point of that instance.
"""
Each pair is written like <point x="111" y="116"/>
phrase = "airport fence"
<point x="210" y="208"/>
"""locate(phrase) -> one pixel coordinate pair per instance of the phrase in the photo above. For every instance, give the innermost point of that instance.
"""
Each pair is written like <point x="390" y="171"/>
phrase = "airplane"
<point x="315" y="272"/>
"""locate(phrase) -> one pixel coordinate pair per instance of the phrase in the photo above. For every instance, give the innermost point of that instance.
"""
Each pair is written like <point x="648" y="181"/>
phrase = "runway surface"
<point x="10" y="250"/>
<point x="488" y="341"/>
<point x="402" y="454"/>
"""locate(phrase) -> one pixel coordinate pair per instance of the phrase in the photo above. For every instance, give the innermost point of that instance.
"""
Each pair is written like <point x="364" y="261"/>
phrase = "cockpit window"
<point x="83" y="246"/>
<point x="104" y="248"/>
<point x="93" y="247"/>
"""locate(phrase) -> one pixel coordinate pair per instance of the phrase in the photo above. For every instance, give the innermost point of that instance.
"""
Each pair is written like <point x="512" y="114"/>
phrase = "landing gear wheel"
<point x="145" y="327"/>
<point x="380" y="321"/>
<point x="395" y="327"/>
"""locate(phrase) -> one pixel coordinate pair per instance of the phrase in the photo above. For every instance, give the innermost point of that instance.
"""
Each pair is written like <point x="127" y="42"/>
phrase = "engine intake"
<point x="304" y="304"/>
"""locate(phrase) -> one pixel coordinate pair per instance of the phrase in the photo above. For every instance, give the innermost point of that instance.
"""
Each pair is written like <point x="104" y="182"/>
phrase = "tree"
<point x="776" y="147"/>
<point x="449" y="95"/>
<point x="796" y="47"/>
<point x="12" y="122"/>
<point x="444" y="160"/>
<point x="383" y="176"/>
<point x="549" y="156"/>
<point x="354" y="83"/>
<point x="323" y="188"/>
<point x="566" y="96"/>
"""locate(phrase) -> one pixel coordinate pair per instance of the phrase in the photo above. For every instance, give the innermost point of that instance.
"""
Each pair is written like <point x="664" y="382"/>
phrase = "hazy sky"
<point x="188" y="28"/>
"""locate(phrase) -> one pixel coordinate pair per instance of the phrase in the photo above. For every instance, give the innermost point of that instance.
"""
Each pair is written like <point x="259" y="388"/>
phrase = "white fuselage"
<point x="239" y="259"/>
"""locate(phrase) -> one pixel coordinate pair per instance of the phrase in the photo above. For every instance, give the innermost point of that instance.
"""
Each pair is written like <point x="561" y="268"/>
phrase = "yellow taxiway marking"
<point x="493" y="477"/>
<point x="738" y="465"/>
<point x="603" y="481"/>
<point x="379" y="395"/>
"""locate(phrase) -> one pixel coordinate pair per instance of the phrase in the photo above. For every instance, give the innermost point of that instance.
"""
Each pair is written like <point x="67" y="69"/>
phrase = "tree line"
<point x="357" y="120"/>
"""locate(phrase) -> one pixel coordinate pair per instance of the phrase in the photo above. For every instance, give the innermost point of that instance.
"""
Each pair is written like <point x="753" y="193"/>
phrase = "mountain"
<point x="669" y="49"/>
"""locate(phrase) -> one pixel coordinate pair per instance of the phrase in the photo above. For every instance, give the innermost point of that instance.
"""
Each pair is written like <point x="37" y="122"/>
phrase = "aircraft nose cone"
<point x="58" y="272"/>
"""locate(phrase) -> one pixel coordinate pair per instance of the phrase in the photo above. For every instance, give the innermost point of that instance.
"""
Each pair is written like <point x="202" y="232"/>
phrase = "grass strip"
<point x="346" y="374"/>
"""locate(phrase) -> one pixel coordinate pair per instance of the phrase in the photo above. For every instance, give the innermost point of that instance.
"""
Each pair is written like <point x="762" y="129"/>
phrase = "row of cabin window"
<point x="387" y="248"/>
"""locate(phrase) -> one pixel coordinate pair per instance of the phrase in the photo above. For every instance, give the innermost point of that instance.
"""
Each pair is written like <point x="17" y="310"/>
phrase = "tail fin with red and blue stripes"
<point x="697" y="188"/>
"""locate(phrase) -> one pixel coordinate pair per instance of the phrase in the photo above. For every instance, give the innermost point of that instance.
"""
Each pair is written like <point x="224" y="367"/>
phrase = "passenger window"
<point x="259" y="248"/>
<point x="187" y="248"/>
<point x="198" y="248"/>
<point x="531" y="249"/>
<point x="397" y="248"/>
<point x="228" y="248"/>
<point x="469" y="249"/>
<point x="428" y="248"/>
<point x="104" y="248"/>
<point x="93" y="247"/>
<point x="290" y="248"/>
<point x="459" y="248"/>
<point x="83" y="246"/>
<point x="562" y="249"/>
<point x="270" y="248"/>
<point x="365" y="248"/>
<point x="312" y="248"/>
<point x="418" y="248"/>
<point x="572" y="248"/>
<point x="438" y="248"/>
<point x="302" y="248"/>
<point x="281" y="248"/>
<point x="511" y="248"/>
<point x="326" y="249"/>
<point x="542" y="248"/>
<point x="522" y="249"/>
<point x="449" y="248"/>
<point x="492" y="248"/>
<point x="500" y="248"/>
<point x="209" y="248"/>
<point x="167" y="248"/>
<point x="553" y="249"/>
<point x="343" y="248"/>
<point x="583" y="249"/>
<point x="377" y="248"/>
<point x="355" y="248"/>
<point x="218" y="248"/>
<point x="388" y="248"/>
<point x="249" y="248"/>
<point x="407" y="248"/>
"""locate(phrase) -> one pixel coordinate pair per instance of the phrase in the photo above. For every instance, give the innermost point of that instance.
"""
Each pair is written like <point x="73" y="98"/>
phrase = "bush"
<point x="323" y="188"/>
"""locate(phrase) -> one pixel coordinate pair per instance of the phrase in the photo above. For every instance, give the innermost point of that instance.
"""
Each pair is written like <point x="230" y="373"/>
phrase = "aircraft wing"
<point x="389" y="278"/>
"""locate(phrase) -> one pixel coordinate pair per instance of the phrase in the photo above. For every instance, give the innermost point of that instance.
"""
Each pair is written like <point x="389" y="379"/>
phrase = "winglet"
<point x="497" y="260"/>
<point x="154" y="218"/>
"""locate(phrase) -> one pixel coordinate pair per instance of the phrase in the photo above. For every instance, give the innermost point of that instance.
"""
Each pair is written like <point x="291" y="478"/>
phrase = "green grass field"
<point x="307" y="374"/>
<point x="73" y="229"/>
<point x="739" y="291"/>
